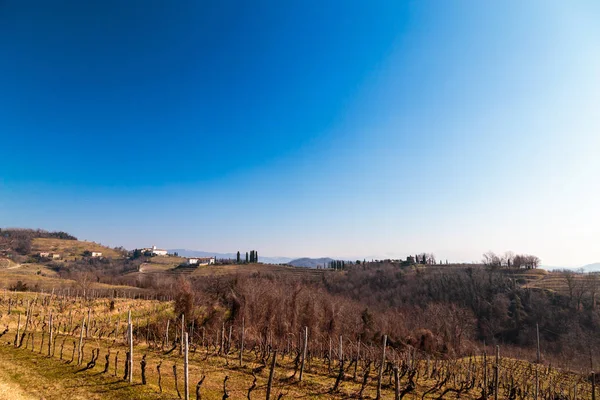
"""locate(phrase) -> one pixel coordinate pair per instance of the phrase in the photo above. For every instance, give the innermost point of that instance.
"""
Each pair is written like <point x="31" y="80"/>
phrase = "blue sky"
<point x="341" y="128"/>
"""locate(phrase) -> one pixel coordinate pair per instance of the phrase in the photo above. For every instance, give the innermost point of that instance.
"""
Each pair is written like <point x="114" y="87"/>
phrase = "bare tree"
<point x="491" y="259"/>
<point x="507" y="259"/>
<point x="83" y="281"/>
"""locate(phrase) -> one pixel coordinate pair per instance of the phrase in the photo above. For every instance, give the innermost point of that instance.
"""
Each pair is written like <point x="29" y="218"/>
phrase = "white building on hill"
<point x="158" y="252"/>
<point x="200" y="261"/>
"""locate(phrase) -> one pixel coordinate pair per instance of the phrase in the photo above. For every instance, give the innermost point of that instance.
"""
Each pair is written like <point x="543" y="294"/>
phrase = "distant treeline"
<point x="251" y="257"/>
<point x="34" y="234"/>
<point x="510" y="260"/>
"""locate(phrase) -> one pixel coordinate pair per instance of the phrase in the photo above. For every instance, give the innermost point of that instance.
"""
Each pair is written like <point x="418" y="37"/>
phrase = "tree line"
<point x="510" y="260"/>
<point x="251" y="257"/>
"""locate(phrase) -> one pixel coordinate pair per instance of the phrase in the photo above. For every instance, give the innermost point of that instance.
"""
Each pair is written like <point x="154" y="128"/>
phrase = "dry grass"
<point x="38" y="276"/>
<point x="6" y="263"/>
<point x="28" y="375"/>
<point x="70" y="249"/>
<point x="167" y="260"/>
<point x="161" y="264"/>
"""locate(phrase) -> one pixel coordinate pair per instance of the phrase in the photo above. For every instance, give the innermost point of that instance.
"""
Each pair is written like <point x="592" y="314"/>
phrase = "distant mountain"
<point x="552" y="267"/>
<point x="197" y="253"/>
<point x="310" y="262"/>
<point x="595" y="267"/>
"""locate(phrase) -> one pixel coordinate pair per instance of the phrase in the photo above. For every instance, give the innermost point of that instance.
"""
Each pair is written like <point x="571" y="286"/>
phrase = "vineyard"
<point x="116" y="346"/>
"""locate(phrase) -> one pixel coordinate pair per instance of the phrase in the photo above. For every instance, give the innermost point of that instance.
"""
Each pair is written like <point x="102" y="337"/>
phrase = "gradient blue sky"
<point x="306" y="128"/>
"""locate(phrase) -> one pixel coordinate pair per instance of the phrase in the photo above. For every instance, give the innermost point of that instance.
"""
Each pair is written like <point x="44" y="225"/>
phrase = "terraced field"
<point x="559" y="282"/>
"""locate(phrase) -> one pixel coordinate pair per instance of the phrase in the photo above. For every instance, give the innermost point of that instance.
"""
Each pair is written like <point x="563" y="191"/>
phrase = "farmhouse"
<point x="155" y="251"/>
<point x="200" y="261"/>
<point x="96" y="254"/>
<point x="47" y="254"/>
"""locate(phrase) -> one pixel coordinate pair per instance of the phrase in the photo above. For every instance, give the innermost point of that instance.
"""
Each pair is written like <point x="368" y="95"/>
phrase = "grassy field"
<point x="160" y="264"/>
<point x="39" y="277"/>
<point x="70" y="249"/>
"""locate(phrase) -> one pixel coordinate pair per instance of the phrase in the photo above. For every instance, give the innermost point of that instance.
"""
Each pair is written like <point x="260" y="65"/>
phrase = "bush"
<point x="184" y="300"/>
<point x="19" y="287"/>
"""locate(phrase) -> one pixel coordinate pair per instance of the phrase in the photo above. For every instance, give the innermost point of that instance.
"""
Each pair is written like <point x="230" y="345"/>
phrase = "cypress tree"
<point x="246" y="257"/>
<point x="238" y="257"/>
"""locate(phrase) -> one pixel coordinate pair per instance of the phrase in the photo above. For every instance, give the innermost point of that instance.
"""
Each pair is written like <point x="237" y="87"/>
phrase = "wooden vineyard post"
<point x="182" y="325"/>
<point x="222" y="346"/>
<point x="229" y="338"/>
<point x="191" y="335"/>
<point x="50" y="335"/>
<point x="87" y="325"/>
<point x="167" y="335"/>
<point x="537" y="328"/>
<point x="396" y="384"/>
<point x="485" y="375"/>
<point x="186" y="386"/>
<point x="329" y="355"/>
<point x="381" y="368"/>
<point x="357" y="358"/>
<point x="537" y="373"/>
<point x="130" y="339"/>
<point x="242" y="344"/>
<point x="341" y="355"/>
<point x="80" y="348"/>
<point x="497" y="373"/>
<point x="304" y="353"/>
<point x="271" y="373"/>
<point x="18" y="330"/>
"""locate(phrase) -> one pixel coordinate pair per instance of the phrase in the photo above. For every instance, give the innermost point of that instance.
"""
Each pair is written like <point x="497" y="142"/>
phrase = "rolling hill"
<point x="310" y="262"/>
<point x="69" y="249"/>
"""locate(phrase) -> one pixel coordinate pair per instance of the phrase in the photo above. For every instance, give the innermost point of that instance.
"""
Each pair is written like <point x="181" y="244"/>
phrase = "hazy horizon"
<point x="306" y="130"/>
